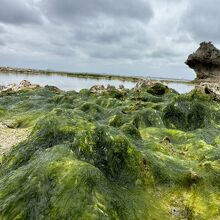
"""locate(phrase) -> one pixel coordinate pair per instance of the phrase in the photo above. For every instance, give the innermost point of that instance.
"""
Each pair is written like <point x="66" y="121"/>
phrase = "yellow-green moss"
<point x="146" y="153"/>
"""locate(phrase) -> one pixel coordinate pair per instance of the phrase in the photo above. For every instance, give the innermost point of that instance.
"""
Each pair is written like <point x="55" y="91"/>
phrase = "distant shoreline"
<point x="90" y="75"/>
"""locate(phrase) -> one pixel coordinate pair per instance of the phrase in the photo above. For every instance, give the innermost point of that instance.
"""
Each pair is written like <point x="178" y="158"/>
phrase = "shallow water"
<point x="68" y="83"/>
<point x="181" y="87"/>
<point x="63" y="82"/>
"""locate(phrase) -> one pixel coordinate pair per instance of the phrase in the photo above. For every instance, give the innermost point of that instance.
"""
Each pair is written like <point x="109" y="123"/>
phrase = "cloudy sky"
<point x="133" y="37"/>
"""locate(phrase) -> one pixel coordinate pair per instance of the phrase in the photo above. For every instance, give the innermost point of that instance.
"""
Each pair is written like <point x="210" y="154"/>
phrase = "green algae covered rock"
<point x="141" y="154"/>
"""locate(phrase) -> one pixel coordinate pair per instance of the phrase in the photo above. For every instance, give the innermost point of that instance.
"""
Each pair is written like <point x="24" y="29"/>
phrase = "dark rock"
<point x="166" y="140"/>
<point x="143" y="83"/>
<point x="205" y="61"/>
<point x="97" y="89"/>
<point x="121" y="87"/>
<point x="110" y="87"/>
<point x="158" y="89"/>
<point x="52" y="88"/>
<point x="1" y="88"/>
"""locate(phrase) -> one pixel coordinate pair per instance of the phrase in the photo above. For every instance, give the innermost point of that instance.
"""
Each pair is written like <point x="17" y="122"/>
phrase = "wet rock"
<point x="158" y="89"/>
<point x="152" y="87"/>
<point x="23" y="85"/>
<point x="1" y="88"/>
<point x="143" y="83"/>
<point x="212" y="89"/>
<point x="195" y="177"/>
<point x="181" y="212"/>
<point x="110" y="87"/>
<point x="97" y="89"/>
<point x="177" y="212"/>
<point x="2" y="125"/>
<point x="9" y="124"/>
<point x="205" y="61"/>
<point x="27" y="85"/>
<point x="52" y="88"/>
<point x="121" y="87"/>
<point x="166" y="140"/>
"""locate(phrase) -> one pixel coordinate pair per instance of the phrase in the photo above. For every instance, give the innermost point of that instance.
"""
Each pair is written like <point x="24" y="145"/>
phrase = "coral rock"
<point x="97" y="89"/>
<point x="23" y="85"/>
<point x="212" y="89"/>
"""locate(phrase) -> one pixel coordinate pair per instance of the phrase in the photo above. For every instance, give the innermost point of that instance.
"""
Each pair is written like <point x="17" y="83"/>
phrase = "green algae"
<point x="146" y="153"/>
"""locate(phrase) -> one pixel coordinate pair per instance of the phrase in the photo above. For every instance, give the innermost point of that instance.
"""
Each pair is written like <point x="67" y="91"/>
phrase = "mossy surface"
<point x="148" y="153"/>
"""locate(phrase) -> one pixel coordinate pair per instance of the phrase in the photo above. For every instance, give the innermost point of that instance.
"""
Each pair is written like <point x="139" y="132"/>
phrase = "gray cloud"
<point x="19" y="12"/>
<point x="142" y="36"/>
<point x="2" y="43"/>
<point x="84" y="10"/>
<point x="202" y="20"/>
<point x="101" y="29"/>
<point x="2" y="29"/>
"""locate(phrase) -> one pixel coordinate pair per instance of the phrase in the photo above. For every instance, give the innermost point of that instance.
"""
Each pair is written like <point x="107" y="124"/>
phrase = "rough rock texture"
<point x="97" y="89"/>
<point x="10" y="137"/>
<point x="212" y="89"/>
<point x="205" y="61"/>
<point x="24" y="85"/>
<point x="145" y="153"/>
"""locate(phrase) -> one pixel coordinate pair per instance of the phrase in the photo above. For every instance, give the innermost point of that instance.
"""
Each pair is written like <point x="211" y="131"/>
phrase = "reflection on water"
<point x="73" y="83"/>
<point x="63" y="82"/>
<point x="181" y="87"/>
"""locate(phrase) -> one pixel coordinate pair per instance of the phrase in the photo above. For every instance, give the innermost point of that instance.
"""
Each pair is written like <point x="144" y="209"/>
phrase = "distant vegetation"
<point x="88" y="75"/>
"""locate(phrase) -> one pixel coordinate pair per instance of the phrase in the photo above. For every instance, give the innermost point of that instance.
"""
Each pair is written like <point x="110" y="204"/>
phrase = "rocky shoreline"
<point x="150" y="150"/>
<point x="109" y="153"/>
<point x="207" y="88"/>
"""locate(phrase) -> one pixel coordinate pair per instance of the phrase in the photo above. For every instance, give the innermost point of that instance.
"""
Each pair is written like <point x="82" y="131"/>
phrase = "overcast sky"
<point x="133" y="37"/>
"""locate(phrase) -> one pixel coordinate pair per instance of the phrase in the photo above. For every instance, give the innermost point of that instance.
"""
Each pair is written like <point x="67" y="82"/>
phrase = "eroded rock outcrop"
<point x="98" y="89"/>
<point x="205" y="61"/>
<point x="153" y="87"/>
<point x="212" y="89"/>
<point x="23" y="85"/>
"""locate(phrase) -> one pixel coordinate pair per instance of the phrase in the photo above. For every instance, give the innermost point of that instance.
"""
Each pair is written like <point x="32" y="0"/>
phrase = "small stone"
<point x="121" y="87"/>
<point x="166" y="140"/>
<point x="97" y="89"/>
<point x="24" y="83"/>
<point x="51" y="88"/>
<point x="109" y="87"/>
<point x="9" y="124"/>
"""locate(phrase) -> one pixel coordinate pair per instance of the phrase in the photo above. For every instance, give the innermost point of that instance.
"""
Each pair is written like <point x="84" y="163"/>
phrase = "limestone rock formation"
<point x="205" y="61"/>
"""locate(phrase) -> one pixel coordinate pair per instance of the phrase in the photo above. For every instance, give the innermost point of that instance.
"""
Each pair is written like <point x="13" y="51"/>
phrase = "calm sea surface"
<point x="73" y="83"/>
